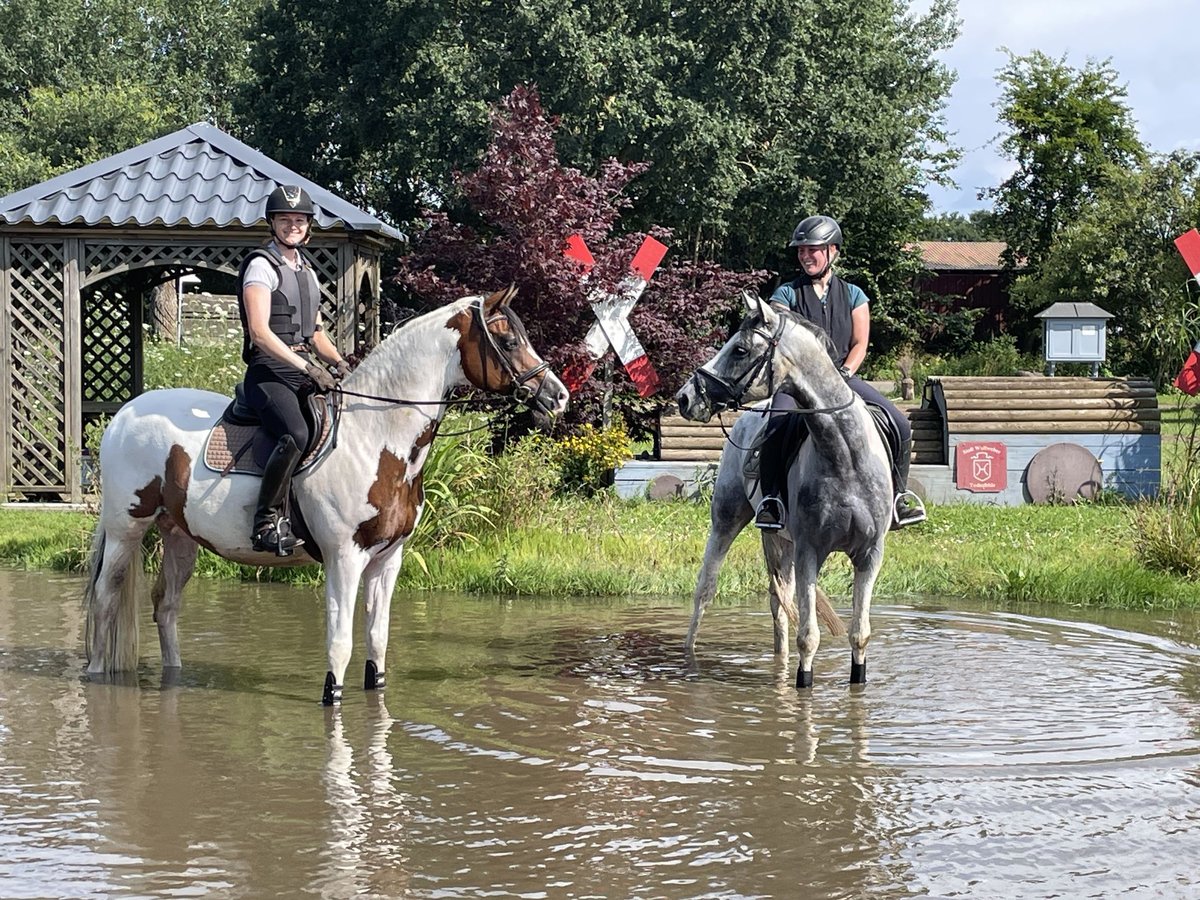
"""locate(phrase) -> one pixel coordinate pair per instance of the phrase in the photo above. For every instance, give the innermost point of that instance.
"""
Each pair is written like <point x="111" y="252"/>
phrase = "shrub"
<point x="1167" y="531"/>
<point x="588" y="457"/>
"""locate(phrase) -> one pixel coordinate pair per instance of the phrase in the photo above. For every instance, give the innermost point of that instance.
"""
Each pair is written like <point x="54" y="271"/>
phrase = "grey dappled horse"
<point x="839" y="486"/>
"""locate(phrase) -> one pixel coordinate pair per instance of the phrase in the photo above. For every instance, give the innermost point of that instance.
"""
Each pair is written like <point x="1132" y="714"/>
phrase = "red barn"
<point x="967" y="275"/>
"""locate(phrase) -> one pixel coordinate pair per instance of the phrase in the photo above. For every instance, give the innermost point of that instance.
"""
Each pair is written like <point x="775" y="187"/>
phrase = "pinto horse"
<point x="360" y="502"/>
<point x="839" y="485"/>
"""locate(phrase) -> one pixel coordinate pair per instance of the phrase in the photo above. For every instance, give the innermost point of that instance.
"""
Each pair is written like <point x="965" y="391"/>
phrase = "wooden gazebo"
<point x="71" y="346"/>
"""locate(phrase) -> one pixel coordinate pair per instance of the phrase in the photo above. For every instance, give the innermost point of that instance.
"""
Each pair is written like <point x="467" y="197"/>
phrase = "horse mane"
<point x="812" y="327"/>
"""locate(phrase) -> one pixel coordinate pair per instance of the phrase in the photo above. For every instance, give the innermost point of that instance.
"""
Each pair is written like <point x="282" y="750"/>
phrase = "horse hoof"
<point x="803" y="679"/>
<point x="332" y="695"/>
<point x="858" y="673"/>
<point x="374" y="680"/>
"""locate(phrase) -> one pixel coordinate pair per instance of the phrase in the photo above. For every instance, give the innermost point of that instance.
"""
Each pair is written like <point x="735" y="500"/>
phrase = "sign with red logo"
<point x="981" y="466"/>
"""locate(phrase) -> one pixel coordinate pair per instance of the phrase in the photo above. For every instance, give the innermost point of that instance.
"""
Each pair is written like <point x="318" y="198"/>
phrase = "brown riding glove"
<point x="341" y="370"/>
<point x="320" y="377"/>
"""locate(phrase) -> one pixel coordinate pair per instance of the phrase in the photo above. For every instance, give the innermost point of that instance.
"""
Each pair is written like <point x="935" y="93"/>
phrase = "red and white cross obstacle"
<point x="1188" y="379"/>
<point x="612" y="317"/>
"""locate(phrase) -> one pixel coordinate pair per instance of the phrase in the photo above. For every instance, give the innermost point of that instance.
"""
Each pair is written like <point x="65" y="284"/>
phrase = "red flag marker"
<point x="1189" y="247"/>
<point x="1188" y="379"/>
<point x="612" y="311"/>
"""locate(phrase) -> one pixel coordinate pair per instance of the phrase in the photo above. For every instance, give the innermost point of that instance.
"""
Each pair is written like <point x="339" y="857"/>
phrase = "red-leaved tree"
<point x="522" y="204"/>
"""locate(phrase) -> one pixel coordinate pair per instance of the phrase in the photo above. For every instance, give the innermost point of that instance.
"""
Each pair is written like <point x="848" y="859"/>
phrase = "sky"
<point x="1152" y="46"/>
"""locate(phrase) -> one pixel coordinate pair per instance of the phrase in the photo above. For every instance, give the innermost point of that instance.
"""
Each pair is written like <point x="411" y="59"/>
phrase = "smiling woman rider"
<point x="843" y="310"/>
<point x="283" y="346"/>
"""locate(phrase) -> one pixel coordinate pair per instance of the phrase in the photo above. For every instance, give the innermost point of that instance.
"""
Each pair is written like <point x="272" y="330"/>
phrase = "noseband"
<point x="720" y="393"/>
<point x="522" y="391"/>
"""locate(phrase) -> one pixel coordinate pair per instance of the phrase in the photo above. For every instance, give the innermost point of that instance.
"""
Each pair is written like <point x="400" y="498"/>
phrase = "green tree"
<point x="1119" y="253"/>
<point x="81" y="81"/>
<point x="1065" y="128"/>
<point x="751" y="113"/>
<point x="978" y="225"/>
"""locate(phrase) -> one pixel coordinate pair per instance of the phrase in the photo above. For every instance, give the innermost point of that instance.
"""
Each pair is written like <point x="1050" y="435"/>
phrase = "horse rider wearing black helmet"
<point x="843" y="310"/>
<point x="283" y="346"/>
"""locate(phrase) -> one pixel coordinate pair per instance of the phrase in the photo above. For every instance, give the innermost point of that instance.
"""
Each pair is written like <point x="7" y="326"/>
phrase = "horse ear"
<point x="757" y="306"/>
<point x="499" y="298"/>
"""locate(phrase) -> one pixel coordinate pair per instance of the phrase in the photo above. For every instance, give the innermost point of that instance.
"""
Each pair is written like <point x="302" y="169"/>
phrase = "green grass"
<point x="1077" y="555"/>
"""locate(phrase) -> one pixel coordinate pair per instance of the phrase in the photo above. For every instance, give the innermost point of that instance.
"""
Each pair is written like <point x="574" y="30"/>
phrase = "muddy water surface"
<point x="564" y="749"/>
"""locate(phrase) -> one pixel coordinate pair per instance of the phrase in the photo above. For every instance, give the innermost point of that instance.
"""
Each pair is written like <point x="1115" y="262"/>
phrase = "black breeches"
<point x="278" y="405"/>
<point x="868" y="393"/>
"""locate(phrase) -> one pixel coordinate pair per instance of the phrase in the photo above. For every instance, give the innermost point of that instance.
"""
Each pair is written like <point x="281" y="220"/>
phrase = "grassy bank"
<point x="602" y="547"/>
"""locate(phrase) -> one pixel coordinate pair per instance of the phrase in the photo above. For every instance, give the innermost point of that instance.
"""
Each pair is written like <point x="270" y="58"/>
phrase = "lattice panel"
<point x="105" y="259"/>
<point x="109" y="346"/>
<point x="325" y="262"/>
<point x="366" y="314"/>
<point x="36" y="328"/>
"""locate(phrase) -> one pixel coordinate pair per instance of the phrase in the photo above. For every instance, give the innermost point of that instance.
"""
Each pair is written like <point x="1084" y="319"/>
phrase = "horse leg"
<point x="808" y="635"/>
<point x="865" y="574"/>
<point x="111" y="596"/>
<point x="379" y="581"/>
<point x="729" y="514"/>
<point x="341" y="591"/>
<point x="777" y="551"/>
<point x="179" y="561"/>
<point x="720" y="539"/>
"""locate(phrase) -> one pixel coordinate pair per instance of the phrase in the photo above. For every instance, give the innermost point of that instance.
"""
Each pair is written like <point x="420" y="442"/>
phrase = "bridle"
<point x="721" y="393"/>
<point x="522" y="392"/>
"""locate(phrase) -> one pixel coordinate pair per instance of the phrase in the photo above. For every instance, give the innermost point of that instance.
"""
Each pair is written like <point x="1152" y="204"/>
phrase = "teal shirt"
<point x="786" y="294"/>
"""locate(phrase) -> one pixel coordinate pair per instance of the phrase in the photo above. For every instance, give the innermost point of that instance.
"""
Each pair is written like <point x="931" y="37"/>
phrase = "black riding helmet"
<point x="817" y="231"/>
<point x="290" y="198"/>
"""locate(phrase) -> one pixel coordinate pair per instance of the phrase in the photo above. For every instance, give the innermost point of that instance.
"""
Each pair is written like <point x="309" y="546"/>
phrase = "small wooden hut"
<point x="71" y="340"/>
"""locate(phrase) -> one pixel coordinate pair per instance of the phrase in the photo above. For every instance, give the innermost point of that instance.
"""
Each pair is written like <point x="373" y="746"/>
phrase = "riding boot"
<point x="273" y="529"/>
<point x="771" y="515"/>
<point x="907" y="509"/>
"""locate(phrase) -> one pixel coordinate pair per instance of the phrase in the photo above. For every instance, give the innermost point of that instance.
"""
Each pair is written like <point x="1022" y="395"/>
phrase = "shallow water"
<point x="563" y="749"/>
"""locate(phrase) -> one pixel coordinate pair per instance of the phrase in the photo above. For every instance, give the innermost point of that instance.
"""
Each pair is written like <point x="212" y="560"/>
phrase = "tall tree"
<point x="1065" y="128"/>
<point x="524" y="204"/>
<point x="752" y="112"/>
<point x="80" y="81"/>
<point x="1119" y="253"/>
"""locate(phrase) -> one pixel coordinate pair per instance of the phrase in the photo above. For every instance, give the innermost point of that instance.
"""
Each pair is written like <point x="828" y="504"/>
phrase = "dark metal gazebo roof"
<point x="197" y="176"/>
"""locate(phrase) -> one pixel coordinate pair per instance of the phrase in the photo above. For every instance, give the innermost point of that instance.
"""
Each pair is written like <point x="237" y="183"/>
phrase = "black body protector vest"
<point x="294" y="305"/>
<point x="833" y="315"/>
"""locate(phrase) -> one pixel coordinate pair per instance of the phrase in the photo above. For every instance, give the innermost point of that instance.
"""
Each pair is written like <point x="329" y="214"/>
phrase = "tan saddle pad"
<point x="230" y="446"/>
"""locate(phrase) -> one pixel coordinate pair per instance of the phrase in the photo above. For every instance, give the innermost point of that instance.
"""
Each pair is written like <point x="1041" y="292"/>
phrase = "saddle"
<point x="237" y="443"/>
<point x="792" y="431"/>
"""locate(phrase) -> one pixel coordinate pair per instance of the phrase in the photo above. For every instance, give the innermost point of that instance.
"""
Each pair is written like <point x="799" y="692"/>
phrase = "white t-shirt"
<point x="260" y="271"/>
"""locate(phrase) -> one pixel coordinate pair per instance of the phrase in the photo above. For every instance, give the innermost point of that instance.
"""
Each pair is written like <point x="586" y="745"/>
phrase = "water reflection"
<point x="566" y="749"/>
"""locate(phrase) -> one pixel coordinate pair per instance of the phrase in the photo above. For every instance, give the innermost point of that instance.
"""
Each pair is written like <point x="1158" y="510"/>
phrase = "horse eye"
<point x="739" y="350"/>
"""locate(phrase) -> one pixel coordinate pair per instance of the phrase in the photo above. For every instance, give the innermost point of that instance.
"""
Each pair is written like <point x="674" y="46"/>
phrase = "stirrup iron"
<point x="770" y="514"/>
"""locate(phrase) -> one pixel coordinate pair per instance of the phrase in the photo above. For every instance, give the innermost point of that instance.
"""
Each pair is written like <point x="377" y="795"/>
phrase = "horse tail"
<point x="117" y="614"/>
<point x="826" y="614"/>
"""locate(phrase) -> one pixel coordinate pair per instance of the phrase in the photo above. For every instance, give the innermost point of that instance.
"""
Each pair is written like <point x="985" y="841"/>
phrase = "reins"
<point x="737" y="389"/>
<point x="521" y="395"/>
